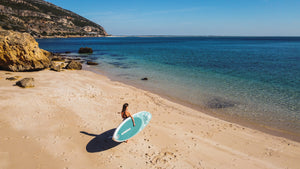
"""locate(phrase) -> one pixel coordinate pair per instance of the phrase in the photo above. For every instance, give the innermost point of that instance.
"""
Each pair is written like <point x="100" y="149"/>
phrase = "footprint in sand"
<point x="163" y="158"/>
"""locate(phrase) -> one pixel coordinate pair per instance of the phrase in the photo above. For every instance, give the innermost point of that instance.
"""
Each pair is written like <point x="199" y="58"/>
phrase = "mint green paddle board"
<point x="126" y="130"/>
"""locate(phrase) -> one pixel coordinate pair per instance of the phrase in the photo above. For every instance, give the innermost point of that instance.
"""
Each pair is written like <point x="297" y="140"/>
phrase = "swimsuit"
<point x="124" y="116"/>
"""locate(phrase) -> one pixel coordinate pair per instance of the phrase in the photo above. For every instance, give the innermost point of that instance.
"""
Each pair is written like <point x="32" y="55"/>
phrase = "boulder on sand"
<point x="74" y="65"/>
<point x="26" y="82"/>
<point x="20" y="52"/>
<point x="57" y="66"/>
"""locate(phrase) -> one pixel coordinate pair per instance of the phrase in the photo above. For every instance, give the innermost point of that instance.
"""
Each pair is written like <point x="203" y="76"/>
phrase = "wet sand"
<point x="67" y="120"/>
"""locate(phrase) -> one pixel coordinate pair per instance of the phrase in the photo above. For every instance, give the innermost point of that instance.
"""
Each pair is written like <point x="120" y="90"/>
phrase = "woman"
<point x="125" y="114"/>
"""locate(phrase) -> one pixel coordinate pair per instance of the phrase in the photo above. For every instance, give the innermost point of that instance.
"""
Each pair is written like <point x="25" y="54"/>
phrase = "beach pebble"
<point x="12" y="78"/>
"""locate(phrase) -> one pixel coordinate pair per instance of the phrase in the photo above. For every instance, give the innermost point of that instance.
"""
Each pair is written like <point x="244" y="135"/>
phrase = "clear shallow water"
<point x="256" y="79"/>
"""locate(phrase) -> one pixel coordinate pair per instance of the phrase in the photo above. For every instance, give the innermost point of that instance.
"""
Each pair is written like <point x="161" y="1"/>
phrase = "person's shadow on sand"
<point x="101" y="142"/>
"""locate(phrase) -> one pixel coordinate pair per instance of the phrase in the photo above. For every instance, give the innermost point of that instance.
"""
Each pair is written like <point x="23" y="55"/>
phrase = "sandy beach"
<point x="67" y="120"/>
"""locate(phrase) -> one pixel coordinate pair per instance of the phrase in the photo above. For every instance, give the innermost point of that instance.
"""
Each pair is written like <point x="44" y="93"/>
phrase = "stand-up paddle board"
<point x="126" y="130"/>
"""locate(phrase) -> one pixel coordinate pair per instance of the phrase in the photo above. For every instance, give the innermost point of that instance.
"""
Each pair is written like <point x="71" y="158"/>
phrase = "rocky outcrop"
<point x="74" y="65"/>
<point x="43" y="19"/>
<point x="26" y="82"/>
<point x="85" y="50"/>
<point x="20" y="52"/>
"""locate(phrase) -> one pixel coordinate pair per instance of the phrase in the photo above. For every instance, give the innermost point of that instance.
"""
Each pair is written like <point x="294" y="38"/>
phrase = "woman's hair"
<point x="124" y="107"/>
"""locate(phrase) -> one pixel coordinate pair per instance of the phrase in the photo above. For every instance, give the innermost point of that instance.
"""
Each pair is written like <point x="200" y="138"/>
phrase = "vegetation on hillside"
<point x="41" y="18"/>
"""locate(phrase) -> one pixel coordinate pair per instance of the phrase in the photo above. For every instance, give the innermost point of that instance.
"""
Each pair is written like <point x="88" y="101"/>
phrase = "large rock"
<point x="20" y="52"/>
<point x="26" y="82"/>
<point x="85" y="50"/>
<point x="74" y="65"/>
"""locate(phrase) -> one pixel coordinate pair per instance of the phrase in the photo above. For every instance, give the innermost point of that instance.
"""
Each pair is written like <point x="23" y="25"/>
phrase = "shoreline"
<point x="240" y="121"/>
<point x="68" y="117"/>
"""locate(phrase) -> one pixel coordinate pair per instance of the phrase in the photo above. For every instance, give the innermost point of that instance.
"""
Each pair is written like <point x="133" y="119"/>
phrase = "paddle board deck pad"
<point x="126" y="130"/>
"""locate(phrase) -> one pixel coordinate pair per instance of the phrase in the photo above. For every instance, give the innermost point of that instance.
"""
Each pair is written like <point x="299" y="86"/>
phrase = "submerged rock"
<point x="91" y="63"/>
<point x="85" y="50"/>
<point x="218" y="103"/>
<point x="26" y="82"/>
<point x="145" y="78"/>
<point x="20" y="52"/>
<point x="74" y="65"/>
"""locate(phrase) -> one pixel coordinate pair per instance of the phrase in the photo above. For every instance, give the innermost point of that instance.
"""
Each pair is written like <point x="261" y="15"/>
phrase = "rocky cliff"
<point x="43" y="20"/>
<point x="20" y="52"/>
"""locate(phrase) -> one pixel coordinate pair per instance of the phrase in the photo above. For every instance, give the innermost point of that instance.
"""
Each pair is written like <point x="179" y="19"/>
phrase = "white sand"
<point x="55" y="124"/>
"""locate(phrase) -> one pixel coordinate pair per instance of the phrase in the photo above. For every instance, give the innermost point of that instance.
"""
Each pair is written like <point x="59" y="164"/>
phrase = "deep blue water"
<point x="252" y="78"/>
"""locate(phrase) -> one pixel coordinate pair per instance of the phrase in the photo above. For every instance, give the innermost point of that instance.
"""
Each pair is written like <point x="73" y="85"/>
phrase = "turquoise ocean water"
<point x="254" y="79"/>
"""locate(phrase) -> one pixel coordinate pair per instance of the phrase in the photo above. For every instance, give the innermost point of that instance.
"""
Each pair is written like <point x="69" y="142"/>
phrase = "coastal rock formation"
<point x="20" y="52"/>
<point x="26" y="82"/>
<point x="43" y="19"/>
<point x="85" y="50"/>
<point x="74" y="65"/>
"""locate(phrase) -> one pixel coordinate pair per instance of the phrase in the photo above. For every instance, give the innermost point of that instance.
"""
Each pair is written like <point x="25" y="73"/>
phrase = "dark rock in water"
<point x="120" y="65"/>
<point x="91" y="63"/>
<point x="83" y="56"/>
<point x="145" y="78"/>
<point x="218" y="103"/>
<point x="26" y="82"/>
<point x="102" y="53"/>
<point x="74" y="65"/>
<point x="67" y="52"/>
<point x="85" y="50"/>
<point x="120" y="58"/>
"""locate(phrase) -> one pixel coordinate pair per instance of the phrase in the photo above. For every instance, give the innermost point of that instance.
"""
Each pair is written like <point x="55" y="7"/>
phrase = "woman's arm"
<point x="132" y="119"/>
